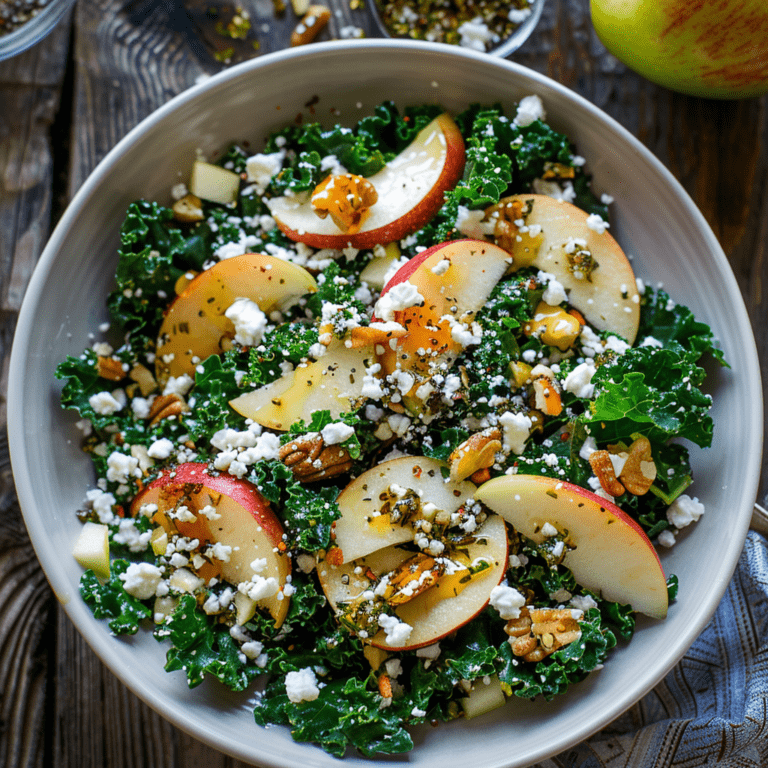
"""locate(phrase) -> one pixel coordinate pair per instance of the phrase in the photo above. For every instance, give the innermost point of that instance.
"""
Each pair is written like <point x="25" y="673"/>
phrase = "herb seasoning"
<point x="478" y="24"/>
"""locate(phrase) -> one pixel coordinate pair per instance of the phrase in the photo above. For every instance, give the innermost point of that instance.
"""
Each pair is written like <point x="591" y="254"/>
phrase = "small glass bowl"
<point x="503" y="49"/>
<point x="34" y="30"/>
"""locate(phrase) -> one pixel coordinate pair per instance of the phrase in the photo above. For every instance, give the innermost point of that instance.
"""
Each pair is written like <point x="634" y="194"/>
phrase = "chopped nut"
<point x="538" y="632"/>
<point x="144" y="378"/>
<point x="110" y="368"/>
<point x="477" y="452"/>
<point x="365" y="336"/>
<point x="639" y="470"/>
<point x="311" y="460"/>
<point x="165" y="406"/>
<point x="346" y="198"/>
<point x="505" y="214"/>
<point x="602" y="466"/>
<point x="385" y="686"/>
<point x="311" y="24"/>
<point x="188" y="209"/>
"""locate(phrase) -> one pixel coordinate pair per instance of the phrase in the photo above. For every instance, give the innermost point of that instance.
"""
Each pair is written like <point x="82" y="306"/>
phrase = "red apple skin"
<point x="590" y="566"/>
<point x="416" y="218"/>
<point x="175" y="480"/>
<point x="246" y="494"/>
<point x="708" y="48"/>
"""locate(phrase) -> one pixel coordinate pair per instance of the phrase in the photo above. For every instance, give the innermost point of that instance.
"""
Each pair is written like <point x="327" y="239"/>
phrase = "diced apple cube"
<point x="483" y="698"/>
<point x="214" y="183"/>
<point x="91" y="549"/>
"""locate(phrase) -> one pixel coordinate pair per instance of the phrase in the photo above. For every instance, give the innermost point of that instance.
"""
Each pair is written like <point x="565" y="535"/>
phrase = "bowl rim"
<point x="33" y="31"/>
<point x="25" y="327"/>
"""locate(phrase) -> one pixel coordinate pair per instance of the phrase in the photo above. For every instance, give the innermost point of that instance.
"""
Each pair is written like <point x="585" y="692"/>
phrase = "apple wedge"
<point x="611" y="554"/>
<point x="557" y="238"/>
<point x="333" y="383"/>
<point x="195" y="326"/>
<point x="222" y="509"/>
<point x="363" y="527"/>
<point x="452" y="601"/>
<point x="388" y="515"/>
<point x="454" y="280"/>
<point x="410" y="190"/>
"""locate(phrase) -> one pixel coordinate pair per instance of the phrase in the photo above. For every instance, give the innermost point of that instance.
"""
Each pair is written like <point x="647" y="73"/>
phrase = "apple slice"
<point x="436" y="612"/>
<point x="195" y="326"/>
<point x="454" y="280"/>
<point x="410" y="191"/>
<point x="333" y="383"/>
<point x="588" y="262"/>
<point x="241" y="519"/>
<point x="611" y="556"/>
<point x="362" y="528"/>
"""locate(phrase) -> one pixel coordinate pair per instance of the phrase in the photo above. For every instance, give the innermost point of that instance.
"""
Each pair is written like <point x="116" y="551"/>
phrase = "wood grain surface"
<point x="66" y="102"/>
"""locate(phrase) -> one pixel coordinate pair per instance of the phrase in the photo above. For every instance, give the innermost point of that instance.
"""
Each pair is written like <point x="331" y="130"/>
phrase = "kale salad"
<point x="346" y="384"/>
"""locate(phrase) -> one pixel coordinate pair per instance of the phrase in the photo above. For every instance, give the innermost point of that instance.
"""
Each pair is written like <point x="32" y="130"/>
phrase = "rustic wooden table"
<point x="66" y="102"/>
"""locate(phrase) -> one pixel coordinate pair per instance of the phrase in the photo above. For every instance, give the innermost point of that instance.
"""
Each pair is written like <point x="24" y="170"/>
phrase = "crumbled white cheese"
<point x="160" y="449"/>
<point x="141" y="580"/>
<point x="336" y="433"/>
<point x="249" y="321"/>
<point x="507" y="601"/>
<point x="262" y="167"/>
<point x="579" y="380"/>
<point x="516" y="427"/>
<point x="396" y="299"/>
<point x="397" y="632"/>
<point x="106" y="403"/>
<point x="684" y="510"/>
<point x="476" y="35"/>
<point x="121" y="467"/>
<point x="529" y="109"/>
<point x="301" y="685"/>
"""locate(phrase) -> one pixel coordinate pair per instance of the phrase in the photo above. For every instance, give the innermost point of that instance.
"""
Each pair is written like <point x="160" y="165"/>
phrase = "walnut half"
<point x="538" y="632"/>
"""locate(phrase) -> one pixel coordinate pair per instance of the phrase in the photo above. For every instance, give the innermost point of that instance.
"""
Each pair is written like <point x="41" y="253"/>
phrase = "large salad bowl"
<point x="654" y="219"/>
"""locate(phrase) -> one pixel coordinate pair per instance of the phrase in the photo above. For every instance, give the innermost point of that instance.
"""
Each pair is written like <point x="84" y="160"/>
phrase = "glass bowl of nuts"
<point x="23" y="23"/>
<point x="489" y="26"/>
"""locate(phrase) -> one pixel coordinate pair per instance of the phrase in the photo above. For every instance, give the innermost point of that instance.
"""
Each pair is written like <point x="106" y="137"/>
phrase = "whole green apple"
<point x="711" y="48"/>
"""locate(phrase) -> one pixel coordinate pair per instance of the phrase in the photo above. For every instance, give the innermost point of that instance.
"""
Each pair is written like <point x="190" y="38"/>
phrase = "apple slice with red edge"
<point x="362" y="528"/>
<point x="410" y="188"/>
<point x="607" y="296"/>
<point x="436" y="612"/>
<point x="195" y="326"/>
<point x="612" y="556"/>
<point x="245" y="523"/>
<point x="454" y="280"/>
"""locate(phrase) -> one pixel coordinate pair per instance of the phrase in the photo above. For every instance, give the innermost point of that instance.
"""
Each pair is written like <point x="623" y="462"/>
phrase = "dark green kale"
<point x="653" y="392"/>
<point x="154" y="252"/>
<point x="109" y="600"/>
<point x="346" y="714"/>
<point x="201" y="647"/>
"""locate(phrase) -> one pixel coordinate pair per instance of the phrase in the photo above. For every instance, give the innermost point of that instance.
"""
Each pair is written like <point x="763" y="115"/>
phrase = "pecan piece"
<point x="602" y="466"/>
<point x="165" y="406"/>
<point x="639" y="470"/>
<point x="110" y="368"/>
<point x="477" y="452"/>
<point x="311" y="459"/>
<point x="346" y="198"/>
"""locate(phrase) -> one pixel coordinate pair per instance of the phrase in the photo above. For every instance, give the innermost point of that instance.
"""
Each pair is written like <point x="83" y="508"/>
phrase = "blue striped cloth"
<point x="712" y="708"/>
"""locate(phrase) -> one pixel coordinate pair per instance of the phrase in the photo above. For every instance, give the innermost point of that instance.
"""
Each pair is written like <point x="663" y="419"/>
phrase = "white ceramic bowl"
<point x="652" y="216"/>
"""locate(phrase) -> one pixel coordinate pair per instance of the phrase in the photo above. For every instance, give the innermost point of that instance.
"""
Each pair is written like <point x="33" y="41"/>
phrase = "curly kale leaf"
<point x="308" y="513"/>
<point x="671" y="323"/>
<point x="153" y="253"/>
<point x="201" y="647"/>
<point x="110" y="600"/>
<point x="653" y="392"/>
<point x="345" y="714"/>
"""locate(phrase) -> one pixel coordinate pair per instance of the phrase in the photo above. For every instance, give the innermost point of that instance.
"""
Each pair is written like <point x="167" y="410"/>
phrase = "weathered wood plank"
<point x="30" y="86"/>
